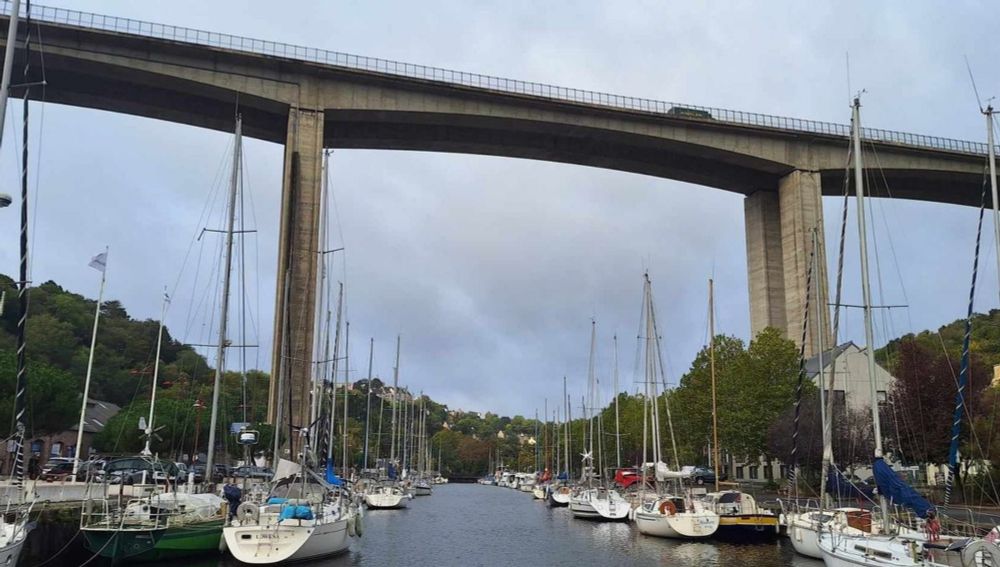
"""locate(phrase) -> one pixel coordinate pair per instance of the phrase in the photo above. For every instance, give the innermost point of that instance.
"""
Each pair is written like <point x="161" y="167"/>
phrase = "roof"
<point x="812" y="364"/>
<point x="97" y="416"/>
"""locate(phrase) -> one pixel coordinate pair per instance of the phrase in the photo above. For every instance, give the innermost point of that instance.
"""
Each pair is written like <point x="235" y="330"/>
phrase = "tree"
<point x="922" y="401"/>
<point x="754" y="386"/>
<point x="52" y="397"/>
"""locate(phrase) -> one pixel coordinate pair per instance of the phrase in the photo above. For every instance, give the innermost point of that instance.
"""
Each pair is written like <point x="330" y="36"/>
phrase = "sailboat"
<point x="593" y="499"/>
<point x="740" y="518"/>
<point x="152" y="524"/>
<point x="306" y="513"/>
<point x="894" y="544"/>
<point x="664" y="515"/>
<point x="422" y="483"/>
<point x="559" y="491"/>
<point x="387" y="492"/>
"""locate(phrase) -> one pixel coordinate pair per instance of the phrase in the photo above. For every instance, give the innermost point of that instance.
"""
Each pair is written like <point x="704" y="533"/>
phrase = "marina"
<point x="501" y="415"/>
<point x="545" y="536"/>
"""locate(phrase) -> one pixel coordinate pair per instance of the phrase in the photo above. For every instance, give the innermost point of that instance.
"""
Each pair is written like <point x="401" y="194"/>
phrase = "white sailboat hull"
<point x="12" y="538"/>
<point x="289" y="540"/>
<point x="582" y="509"/>
<point x="10" y="553"/>
<point x="841" y="550"/>
<point x="684" y="525"/>
<point x="380" y="500"/>
<point x="803" y="531"/>
<point x="599" y="505"/>
<point x="560" y="497"/>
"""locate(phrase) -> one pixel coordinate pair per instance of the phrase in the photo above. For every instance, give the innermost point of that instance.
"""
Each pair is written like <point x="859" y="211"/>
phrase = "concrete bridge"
<point x="308" y="99"/>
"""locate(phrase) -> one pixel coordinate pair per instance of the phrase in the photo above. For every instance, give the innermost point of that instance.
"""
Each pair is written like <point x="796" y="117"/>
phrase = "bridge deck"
<point x="204" y="38"/>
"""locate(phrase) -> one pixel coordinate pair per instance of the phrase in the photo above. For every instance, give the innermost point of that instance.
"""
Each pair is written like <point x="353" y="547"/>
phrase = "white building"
<point x="850" y="383"/>
<point x="851" y="387"/>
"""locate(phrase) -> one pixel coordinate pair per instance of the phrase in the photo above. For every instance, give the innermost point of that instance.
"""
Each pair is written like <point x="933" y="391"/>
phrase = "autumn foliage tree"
<point x="922" y="401"/>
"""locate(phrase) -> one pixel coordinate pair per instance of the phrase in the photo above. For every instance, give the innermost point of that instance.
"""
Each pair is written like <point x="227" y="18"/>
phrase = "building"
<point x="851" y="386"/>
<point x="63" y="444"/>
<point x="851" y="389"/>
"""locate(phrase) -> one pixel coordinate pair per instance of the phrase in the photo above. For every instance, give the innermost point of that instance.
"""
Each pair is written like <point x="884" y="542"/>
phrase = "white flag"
<point x="99" y="262"/>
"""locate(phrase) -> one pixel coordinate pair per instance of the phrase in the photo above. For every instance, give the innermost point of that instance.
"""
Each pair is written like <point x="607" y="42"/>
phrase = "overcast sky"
<point x="492" y="268"/>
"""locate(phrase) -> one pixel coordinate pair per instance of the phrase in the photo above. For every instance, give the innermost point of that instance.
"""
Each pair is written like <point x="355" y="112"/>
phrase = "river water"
<point x="470" y="524"/>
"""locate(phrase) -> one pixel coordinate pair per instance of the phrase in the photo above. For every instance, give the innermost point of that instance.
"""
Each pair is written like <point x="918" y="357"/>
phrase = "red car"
<point x="627" y="477"/>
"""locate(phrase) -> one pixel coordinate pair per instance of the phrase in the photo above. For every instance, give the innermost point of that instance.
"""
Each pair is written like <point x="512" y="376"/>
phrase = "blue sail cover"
<point x="563" y="476"/>
<point x="331" y="477"/>
<point x="893" y="488"/>
<point x="837" y="485"/>
<point x="391" y="472"/>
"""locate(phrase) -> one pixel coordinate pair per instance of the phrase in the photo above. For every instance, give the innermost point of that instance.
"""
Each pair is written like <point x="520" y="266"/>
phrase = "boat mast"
<point x="220" y="353"/>
<point x="588" y="405"/>
<point x="546" y="450"/>
<point x="333" y="372"/>
<point x="618" y="432"/>
<point x="156" y="374"/>
<point x="663" y="378"/>
<point x="21" y="384"/>
<point x="866" y="288"/>
<point x="8" y="62"/>
<point x="395" y="399"/>
<point x="991" y="151"/>
<point x="827" y="458"/>
<point x="711" y="359"/>
<point x="102" y="266"/>
<point x="569" y="420"/>
<point x="282" y="368"/>
<point x="347" y="379"/>
<point x="368" y="401"/>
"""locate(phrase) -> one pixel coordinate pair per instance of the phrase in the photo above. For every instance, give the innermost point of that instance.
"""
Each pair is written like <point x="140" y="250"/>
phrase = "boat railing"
<point x="135" y="514"/>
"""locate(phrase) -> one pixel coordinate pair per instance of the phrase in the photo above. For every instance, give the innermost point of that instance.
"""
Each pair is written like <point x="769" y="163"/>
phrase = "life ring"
<point x="982" y="548"/>
<point x="667" y="508"/>
<point x="247" y="512"/>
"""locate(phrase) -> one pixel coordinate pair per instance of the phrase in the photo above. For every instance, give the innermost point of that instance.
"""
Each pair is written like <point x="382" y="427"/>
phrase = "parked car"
<point x="135" y="470"/>
<point x="701" y="475"/>
<point x="57" y="472"/>
<point x="262" y="473"/>
<point x="199" y="473"/>
<point x="93" y="470"/>
<point x="55" y="461"/>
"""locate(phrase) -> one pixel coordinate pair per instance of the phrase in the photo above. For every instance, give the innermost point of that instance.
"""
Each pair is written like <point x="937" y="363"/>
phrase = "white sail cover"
<point x="663" y="472"/>
<point x="285" y="469"/>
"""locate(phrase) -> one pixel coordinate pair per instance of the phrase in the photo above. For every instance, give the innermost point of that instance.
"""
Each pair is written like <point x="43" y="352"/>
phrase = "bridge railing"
<point x="497" y="84"/>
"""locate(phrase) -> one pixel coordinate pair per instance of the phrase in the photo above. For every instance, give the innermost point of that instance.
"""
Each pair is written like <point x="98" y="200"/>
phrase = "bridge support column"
<point x="298" y="262"/>
<point x="779" y="243"/>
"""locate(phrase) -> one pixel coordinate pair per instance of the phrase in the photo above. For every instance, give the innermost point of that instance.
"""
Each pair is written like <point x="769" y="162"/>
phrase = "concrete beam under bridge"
<point x="779" y="240"/>
<point x="298" y="261"/>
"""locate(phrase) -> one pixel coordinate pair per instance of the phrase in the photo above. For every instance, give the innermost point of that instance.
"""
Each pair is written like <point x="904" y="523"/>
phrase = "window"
<point x="768" y="472"/>
<point x="839" y="398"/>
<point x="739" y="471"/>
<point x="881" y="396"/>
<point x="754" y="473"/>
<point x="55" y="450"/>
<point x="783" y="471"/>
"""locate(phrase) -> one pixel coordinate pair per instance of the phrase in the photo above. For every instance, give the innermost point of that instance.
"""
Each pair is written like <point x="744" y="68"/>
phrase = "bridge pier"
<point x="298" y="262"/>
<point x="779" y="228"/>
